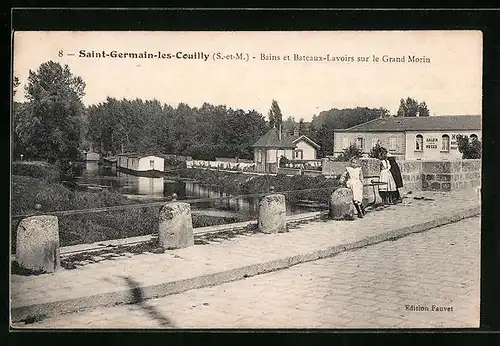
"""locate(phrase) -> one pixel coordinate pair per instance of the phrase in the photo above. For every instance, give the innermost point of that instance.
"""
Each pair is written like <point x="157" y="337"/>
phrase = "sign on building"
<point x="453" y="142"/>
<point x="431" y="143"/>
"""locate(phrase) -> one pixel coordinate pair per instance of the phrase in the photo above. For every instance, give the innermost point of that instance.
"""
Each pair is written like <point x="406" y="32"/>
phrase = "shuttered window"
<point x="345" y="143"/>
<point x="392" y="143"/>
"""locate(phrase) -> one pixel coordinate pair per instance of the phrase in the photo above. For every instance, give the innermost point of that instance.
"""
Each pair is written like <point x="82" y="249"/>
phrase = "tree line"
<point x="54" y="125"/>
<point x="151" y="127"/>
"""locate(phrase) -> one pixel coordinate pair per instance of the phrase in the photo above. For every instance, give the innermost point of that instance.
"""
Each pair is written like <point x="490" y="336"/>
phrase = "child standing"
<point x="353" y="178"/>
<point x="388" y="189"/>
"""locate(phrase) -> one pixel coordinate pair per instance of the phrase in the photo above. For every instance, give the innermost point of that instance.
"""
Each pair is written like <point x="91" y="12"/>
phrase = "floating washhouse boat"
<point x="141" y="165"/>
<point x="109" y="162"/>
<point x="92" y="156"/>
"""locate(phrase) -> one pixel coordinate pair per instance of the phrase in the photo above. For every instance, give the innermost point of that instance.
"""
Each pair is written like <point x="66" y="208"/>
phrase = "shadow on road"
<point x="138" y="298"/>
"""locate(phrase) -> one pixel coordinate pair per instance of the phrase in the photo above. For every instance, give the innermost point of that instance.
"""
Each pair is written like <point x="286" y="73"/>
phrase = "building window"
<point x="473" y="136"/>
<point x="419" y="143"/>
<point x="152" y="163"/>
<point x="360" y="143"/>
<point x="374" y="142"/>
<point x="299" y="154"/>
<point x="445" y="143"/>
<point x="259" y="156"/>
<point x="345" y="143"/>
<point x="392" y="143"/>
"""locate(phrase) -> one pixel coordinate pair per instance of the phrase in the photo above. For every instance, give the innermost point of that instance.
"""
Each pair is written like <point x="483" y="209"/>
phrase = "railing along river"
<point x="212" y="214"/>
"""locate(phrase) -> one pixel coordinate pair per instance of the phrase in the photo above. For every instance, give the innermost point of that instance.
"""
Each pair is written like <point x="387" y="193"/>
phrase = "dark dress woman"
<point x="396" y="174"/>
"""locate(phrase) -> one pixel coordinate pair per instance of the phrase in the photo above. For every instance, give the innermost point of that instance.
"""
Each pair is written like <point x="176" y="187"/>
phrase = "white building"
<point x="273" y="145"/>
<point x="411" y="138"/>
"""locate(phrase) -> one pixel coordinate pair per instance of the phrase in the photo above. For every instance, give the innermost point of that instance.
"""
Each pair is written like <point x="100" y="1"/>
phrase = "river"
<point x="95" y="177"/>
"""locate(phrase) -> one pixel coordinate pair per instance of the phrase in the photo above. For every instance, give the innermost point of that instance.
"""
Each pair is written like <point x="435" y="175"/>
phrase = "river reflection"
<point x="93" y="176"/>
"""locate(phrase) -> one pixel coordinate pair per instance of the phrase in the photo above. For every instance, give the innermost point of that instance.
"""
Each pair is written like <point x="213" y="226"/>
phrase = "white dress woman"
<point x="354" y="176"/>
<point x="386" y="177"/>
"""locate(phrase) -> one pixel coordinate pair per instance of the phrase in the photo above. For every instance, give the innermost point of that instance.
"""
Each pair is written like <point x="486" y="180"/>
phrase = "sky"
<point x="450" y="82"/>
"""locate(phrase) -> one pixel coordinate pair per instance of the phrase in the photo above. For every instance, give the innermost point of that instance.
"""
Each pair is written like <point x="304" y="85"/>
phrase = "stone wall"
<point x="411" y="172"/>
<point x="450" y="175"/>
<point x="330" y="167"/>
<point x="370" y="167"/>
<point x="420" y="175"/>
<point x="440" y="175"/>
<point x="311" y="172"/>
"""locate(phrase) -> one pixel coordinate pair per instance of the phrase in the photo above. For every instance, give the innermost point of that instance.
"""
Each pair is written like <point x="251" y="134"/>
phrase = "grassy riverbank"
<point x="38" y="184"/>
<point x="242" y="184"/>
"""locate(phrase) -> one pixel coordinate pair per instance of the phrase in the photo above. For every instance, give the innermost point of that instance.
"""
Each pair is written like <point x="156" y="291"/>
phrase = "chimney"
<point x="279" y="131"/>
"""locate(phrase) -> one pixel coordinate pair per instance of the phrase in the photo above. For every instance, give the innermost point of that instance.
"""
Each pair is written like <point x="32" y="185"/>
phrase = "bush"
<point x="284" y="161"/>
<point x="470" y="148"/>
<point x="93" y="227"/>
<point x="89" y="228"/>
<point x="240" y="184"/>
<point x="281" y="182"/>
<point x="376" y="151"/>
<point x="173" y="163"/>
<point x="40" y="170"/>
<point x="84" y="228"/>
<point x="349" y="153"/>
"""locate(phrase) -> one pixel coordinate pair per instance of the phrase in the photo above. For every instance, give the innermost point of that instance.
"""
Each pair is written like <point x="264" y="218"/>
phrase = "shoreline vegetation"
<point x="242" y="184"/>
<point x="37" y="188"/>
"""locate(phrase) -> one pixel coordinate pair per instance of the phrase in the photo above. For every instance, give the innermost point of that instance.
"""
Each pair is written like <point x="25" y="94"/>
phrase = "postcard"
<point x="244" y="179"/>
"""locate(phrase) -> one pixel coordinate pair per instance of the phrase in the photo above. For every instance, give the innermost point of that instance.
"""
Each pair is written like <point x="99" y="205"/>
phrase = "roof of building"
<point x="430" y="123"/>
<point x="130" y="155"/>
<point x="307" y="139"/>
<point x="271" y="140"/>
<point x="136" y="155"/>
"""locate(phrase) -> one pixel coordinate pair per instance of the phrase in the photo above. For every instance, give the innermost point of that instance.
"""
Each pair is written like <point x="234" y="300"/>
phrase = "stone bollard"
<point x="175" y="226"/>
<point x="341" y="205"/>
<point x="37" y="243"/>
<point x="272" y="214"/>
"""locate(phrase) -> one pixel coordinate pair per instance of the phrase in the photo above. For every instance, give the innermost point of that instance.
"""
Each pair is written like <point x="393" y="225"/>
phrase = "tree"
<point x="18" y="110"/>
<point x="275" y="116"/>
<point x="384" y="112"/>
<point x="15" y="84"/>
<point x="352" y="151"/>
<point x="423" y="111"/>
<point x="324" y="137"/>
<point x="149" y="127"/>
<point x="289" y="125"/>
<point x="376" y="150"/>
<point x="411" y="107"/>
<point x="302" y="127"/>
<point x="348" y="117"/>
<point x="470" y="149"/>
<point x="49" y="127"/>
<point x="323" y="126"/>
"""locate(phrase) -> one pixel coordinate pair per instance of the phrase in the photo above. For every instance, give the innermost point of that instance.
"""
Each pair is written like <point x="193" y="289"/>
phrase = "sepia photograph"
<point x="246" y="179"/>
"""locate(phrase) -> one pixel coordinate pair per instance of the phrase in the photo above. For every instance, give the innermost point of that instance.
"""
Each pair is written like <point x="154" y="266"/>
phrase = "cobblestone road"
<point x="380" y="286"/>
